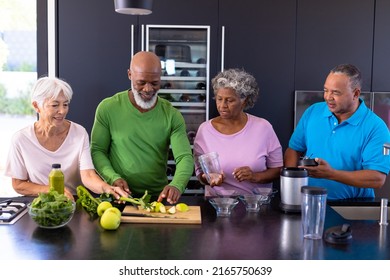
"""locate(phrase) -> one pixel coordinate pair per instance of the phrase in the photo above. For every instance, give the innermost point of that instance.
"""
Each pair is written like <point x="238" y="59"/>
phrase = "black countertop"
<point x="267" y="235"/>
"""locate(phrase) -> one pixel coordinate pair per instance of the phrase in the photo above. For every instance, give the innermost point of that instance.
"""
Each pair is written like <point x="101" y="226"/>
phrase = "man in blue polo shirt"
<point x="344" y="136"/>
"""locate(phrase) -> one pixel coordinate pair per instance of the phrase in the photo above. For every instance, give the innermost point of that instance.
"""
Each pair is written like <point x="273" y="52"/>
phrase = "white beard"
<point x="146" y="105"/>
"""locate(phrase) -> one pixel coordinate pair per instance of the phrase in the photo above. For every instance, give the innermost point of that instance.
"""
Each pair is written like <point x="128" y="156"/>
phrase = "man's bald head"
<point x="145" y="62"/>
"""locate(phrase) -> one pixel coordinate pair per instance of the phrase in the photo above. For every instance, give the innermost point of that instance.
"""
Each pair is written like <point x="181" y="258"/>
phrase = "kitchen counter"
<point x="269" y="235"/>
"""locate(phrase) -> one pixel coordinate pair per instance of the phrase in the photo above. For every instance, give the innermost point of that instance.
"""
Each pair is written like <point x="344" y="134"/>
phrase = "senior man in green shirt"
<point x="132" y="132"/>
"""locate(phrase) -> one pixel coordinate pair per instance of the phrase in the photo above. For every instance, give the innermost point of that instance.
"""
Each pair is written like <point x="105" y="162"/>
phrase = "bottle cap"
<point x="313" y="190"/>
<point x="56" y="165"/>
<point x="294" y="172"/>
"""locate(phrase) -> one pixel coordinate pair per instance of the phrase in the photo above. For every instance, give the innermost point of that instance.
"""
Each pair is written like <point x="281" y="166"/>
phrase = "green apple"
<point x="111" y="218"/>
<point x="103" y="206"/>
<point x="159" y="207"/>
<point x="116" y="211"/>
<point x="172" y="210"/>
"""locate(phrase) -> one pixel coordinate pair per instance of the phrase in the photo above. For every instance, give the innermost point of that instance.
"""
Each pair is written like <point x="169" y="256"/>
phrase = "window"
<point x="18" y="71"/>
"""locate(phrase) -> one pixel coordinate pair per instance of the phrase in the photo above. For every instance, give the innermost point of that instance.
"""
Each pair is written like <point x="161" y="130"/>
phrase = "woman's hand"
<point x="122" y="184"/>
<point x="119" y="188"/>
<point x="243" y="174"/>
<point x="216" y="179"/>
<point x="68" y="194"/>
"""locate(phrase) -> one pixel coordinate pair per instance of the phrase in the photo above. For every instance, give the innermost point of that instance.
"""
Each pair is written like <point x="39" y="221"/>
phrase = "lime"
<point x="182" y="207"/>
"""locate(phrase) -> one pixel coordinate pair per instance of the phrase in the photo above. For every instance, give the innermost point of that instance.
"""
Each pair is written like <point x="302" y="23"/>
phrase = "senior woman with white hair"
<point x="249" y="150"/>
<point x="53" y="139"/>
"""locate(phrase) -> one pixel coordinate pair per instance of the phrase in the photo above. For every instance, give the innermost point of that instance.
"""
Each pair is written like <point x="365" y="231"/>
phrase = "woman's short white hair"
<point x="49" y="88"/>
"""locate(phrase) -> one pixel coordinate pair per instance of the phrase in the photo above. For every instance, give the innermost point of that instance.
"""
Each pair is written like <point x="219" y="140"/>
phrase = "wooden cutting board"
<point x="192" y="216"/>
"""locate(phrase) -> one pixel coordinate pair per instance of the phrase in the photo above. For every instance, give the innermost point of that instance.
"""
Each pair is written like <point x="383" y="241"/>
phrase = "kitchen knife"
<point x="150" y="216"/>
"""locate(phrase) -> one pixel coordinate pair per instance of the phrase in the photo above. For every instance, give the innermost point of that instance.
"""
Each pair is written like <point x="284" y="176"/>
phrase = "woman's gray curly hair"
<point x="243" y="83"/>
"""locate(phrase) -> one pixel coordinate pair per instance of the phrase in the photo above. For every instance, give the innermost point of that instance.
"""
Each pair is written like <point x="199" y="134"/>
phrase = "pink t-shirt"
<point x="256" y="146"/>
<point x="27" y="159"/>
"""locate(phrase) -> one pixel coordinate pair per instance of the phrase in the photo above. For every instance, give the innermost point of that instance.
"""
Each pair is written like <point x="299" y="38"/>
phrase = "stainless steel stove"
<point x="11" y="211"/>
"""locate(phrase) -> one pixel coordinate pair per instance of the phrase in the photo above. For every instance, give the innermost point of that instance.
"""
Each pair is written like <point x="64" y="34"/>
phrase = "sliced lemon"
<point x="182" y="207"/>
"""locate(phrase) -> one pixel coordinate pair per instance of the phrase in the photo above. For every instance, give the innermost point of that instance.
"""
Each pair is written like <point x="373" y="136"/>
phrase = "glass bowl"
<point x="268" y="192"/>
<point x="50" y="217"/>
<point x="223" y="205"/>
<point x="253" y="201"/>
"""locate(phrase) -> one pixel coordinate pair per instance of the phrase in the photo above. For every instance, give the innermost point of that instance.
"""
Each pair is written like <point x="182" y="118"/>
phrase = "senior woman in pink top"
<point x="249" y="150"/>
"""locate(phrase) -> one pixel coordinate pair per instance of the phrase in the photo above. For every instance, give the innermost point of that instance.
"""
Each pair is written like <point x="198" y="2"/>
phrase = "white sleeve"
<point x="85" y="156"/>
<point x="15" y="166"/>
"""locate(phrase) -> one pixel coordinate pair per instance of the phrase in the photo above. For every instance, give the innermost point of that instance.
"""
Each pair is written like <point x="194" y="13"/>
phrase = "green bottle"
<point x="56" y="179"/>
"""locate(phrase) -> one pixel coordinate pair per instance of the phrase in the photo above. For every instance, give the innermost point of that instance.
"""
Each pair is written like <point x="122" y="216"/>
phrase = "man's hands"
<point x="170" y="193"/>
<point x="322" y="170"/>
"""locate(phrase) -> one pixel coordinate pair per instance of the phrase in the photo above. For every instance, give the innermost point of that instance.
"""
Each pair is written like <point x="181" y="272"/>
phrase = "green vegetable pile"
<point x="51" y="209"/>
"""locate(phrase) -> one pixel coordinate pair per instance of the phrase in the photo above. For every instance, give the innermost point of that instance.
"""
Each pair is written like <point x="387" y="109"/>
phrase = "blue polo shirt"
<point x="355" y="144"/>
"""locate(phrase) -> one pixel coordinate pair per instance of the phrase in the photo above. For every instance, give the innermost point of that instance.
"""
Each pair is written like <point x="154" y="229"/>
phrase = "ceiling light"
<point x="133" y="7"/>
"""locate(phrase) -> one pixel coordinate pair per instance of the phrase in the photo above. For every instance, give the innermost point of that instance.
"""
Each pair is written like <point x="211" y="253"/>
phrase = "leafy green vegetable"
<point x="86" y="200"/>
<point x="89" y="202"/>
<point x="51" y="209"/>
<point x="143" y="201"/>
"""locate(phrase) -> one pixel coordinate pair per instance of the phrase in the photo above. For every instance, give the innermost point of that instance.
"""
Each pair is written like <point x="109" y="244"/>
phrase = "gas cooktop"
<point x="11" y="211"/>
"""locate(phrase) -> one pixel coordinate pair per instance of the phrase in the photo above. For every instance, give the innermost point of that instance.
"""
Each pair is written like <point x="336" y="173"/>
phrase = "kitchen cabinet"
<point x="260" y="38"/>
<point x="381" y="58"/>
<point x="328" y="32"/>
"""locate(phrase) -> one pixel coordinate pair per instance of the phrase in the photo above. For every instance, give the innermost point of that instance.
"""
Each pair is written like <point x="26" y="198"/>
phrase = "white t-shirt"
<point x="28" y="160"/>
